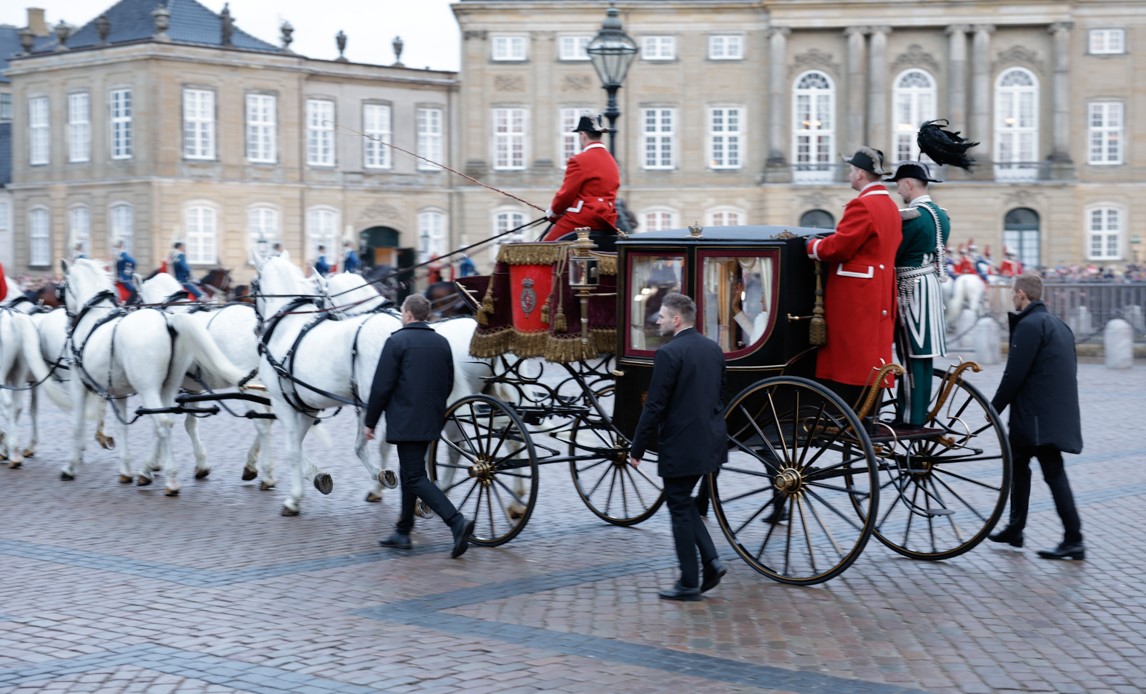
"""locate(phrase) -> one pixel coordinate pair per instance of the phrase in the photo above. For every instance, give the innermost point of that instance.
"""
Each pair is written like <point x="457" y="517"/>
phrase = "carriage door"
<point x="1021" y="233"/>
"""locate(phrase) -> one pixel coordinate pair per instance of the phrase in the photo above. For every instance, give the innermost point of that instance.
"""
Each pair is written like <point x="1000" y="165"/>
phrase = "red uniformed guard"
<point x="1011" y="266"/>
<point x="587" y="195"/>
<point x="965" y="266"/>
<point x="859" y="300"/>
<point x="3" y="284"/>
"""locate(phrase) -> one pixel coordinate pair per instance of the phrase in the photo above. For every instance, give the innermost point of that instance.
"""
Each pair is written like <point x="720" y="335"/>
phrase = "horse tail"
<point x="30" y="353"/>
<point x="207" y="354"/>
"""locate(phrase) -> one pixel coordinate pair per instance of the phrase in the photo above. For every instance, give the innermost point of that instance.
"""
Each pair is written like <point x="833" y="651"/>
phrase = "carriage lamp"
<point x="584" y="274"/>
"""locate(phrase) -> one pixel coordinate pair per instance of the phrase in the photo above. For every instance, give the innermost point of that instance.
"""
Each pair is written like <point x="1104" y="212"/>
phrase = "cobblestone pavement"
<point x="109" y="587"/>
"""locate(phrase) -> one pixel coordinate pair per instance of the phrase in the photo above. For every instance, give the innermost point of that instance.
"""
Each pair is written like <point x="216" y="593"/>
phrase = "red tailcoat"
<point x="965" y="266"/>
<point x="1010" y="268"/>
<point x="587" y="195"/>
<point x="859" y="299"/>
<point x="3" y="284"/>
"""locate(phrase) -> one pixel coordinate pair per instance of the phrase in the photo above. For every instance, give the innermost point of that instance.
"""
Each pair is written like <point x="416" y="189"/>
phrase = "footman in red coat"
<point x="588" y="195"/>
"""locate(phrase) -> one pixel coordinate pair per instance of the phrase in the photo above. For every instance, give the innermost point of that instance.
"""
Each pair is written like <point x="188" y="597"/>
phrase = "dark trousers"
<point x="688" y="532"/>
<point x="1050" y="458"/>
<point x="417" y="485"/>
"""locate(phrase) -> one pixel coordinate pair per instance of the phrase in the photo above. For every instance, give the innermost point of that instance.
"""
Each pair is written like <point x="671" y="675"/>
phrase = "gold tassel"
<point x="545" y="311"/>
<point x="559" y="324"/>
<point x="818" y="327"/>
<point x="486" y="307"/>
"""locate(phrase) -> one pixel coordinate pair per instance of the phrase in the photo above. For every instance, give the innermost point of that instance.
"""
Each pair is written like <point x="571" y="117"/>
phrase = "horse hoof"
<point x="266" y="486"/>
<point x="170" y="492"/>
<point x="516" y="511"/>
<point x="142" y="481"/>
<point x="288" y="511"/>
<point x="67" y="476"/>
<point x="389" y="479"/>
<point x="324" y="483"/>
<point x="202" y="474"/>
<point x="15" y="464"/>
<point x="421" y="510"/>
<point x="373" y="498"/>
<point x="29" y="454"/>
<point x="249" y="474"/>
<point x="125" y="479"/>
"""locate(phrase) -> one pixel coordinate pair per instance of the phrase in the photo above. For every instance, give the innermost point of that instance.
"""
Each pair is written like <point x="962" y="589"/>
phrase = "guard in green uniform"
<point x="920" y="268"/>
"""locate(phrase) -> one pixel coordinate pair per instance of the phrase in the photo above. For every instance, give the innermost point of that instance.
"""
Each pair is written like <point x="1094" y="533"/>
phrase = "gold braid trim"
<point x="564" y="349"/>
<point x="606" y="262"/>
<point x="540" y="253"/>
<point x="570" y="348"/>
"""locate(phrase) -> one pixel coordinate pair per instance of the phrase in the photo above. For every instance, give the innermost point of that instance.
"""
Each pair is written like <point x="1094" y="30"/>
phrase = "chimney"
<point x="36" y="23"/>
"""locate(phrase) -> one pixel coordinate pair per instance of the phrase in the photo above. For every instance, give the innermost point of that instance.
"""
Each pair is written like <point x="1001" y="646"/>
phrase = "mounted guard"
<point x="183" y="271"/>
<point x="125" y="274"/>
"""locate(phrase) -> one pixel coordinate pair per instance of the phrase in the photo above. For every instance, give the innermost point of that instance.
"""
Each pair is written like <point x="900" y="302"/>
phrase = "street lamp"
<point x="612" y="52"/>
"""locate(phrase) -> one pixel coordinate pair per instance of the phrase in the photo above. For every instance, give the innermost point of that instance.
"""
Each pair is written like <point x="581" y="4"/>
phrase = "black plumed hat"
<point x="944" y="147"/>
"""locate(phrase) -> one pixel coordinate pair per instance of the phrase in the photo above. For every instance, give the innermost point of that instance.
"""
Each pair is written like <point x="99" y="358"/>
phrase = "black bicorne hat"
<point x="591" y="125"/>
<point x="869" y="159"/>
<point x="914" y="169"/>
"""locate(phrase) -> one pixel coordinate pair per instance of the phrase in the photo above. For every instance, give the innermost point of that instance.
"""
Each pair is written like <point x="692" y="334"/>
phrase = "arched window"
<point x="322" y="225"/>
<point x="262" y="231"/>
<point x="79" y="231"/>
<point x="1021" y="236"/>
<point x="432" y="233"/>
<point x="1016" y="125"/>
<point x="914" y="103"/>
<point x="201" y="227"/>
<point x="1105" y="224"/>
<point x="659" y="218"/>
<point x="813" y="127"/>
<point x="504" y="219"/>
<point x="725" y="217"/>
<point x="817" y="219"/>
<point x="122" y="225"/>
<point x="39" y="237"/>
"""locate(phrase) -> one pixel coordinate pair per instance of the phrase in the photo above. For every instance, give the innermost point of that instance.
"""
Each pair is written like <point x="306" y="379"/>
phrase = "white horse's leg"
<point x="266" y="454"/>
<point x="202" y="466"/>
<point x="296" y="431"/>
<point x="16" y="450"/>
<point x="79" y="408"/>
<point x="34" y="415"/>
<point x="126" y="474"/>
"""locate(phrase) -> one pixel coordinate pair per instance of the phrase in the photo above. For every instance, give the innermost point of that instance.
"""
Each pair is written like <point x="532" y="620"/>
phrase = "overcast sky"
<point x="427" y="27"/>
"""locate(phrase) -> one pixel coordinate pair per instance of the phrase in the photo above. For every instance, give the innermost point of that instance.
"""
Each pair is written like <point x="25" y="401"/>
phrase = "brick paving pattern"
<point x="116" y="588"/>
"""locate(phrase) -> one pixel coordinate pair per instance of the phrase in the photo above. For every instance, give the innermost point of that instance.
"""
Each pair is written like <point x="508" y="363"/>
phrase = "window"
<point x="262" y="231"/>
<point x="200" y="226"/>
<point x="198" y="124"/>
<point x="509" y="138"/>
<point x="725" y="135"/>
<point x="506" y="220"/>
<point x="573" y="47"/>
<point x="429" y="138"/>
<point x="737" y="302"/>
<point x="914" y="103"/>
<point x="122" y="225"/>
<point x="321" y="230"/>
<point x="1107" y="41"/>
<point x="5" y="108"/>
<point x="509" y="48"/>
<point x="814" y="104"/>
<point x="79" y="127"/>
<point x="726" y="47"/>
<point x="261" y="128"/>
<point x="1021" y="234"/>
<point x="658" y="48"/>
<point x="657" y="140"/>
<point x="5" y="221"/>
<point x="817" y="219"/>
<point x="79" y="231"/>
<point x="319" y="132"/>
<point x="39" y="144"/>
<point x="1016" y="125"/>
<point x="376" y="127"/>
<point x="659" y="219"/>
<point x="120" y="110"/>
<point x="653" y="276"/>
<point x="39" y="238"/>
<point x="432" y="233"/>
<point x="569" y="143"/>
<point x="1104" y="233"/>
<point x="1104" y="126"/>
<point x="725" y="217"/>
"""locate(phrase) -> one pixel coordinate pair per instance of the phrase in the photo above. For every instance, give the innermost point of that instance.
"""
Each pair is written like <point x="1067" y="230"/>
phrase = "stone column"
<point x="777" y="101"/>
<point x="855" y="133"/>
<point x="957" y="80"/>
<point x="877" y="91"/>
<point x="981" y="130"/>
<point x="1061" y="165"/>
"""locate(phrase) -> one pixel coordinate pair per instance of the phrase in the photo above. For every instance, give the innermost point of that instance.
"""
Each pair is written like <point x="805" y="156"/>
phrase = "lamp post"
<point x="612" y="52"/>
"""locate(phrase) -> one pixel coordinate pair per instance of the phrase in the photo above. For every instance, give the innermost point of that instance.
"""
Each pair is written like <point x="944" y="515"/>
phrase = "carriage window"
<point x="652" y="276"/>
<point x="737" y="303"/>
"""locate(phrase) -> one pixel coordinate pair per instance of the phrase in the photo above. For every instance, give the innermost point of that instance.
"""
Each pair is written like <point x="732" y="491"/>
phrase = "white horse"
<point x="116" y="355"/>
<point x="963" y="291"/>
<point x="20" y="365"/>
<point x="233" y="328"/>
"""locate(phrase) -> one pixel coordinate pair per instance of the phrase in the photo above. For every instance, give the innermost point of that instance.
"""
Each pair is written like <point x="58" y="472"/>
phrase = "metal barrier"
<point x="1085" y="306"/>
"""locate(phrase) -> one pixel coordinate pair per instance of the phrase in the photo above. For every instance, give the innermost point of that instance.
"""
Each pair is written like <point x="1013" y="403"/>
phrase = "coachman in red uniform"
<point x="859" y="299"/>
<point x="588" y="194"/>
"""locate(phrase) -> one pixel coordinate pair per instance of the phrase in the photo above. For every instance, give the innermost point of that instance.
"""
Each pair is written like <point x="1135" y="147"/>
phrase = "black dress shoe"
<point x="679" y="592"/>
<point x="1010" y="535"/>
<point x="1066" y="550"/>
<point x="713" y="572"/>
<point x="463" y="529"/>
<point x="397" y="540"/>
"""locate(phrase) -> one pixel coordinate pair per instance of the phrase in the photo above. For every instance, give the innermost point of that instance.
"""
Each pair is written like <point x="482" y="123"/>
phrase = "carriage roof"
<point x="767" y="234"/>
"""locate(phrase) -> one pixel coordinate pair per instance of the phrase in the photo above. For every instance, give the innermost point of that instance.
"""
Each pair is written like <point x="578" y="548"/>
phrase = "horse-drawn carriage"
<point x="809" y="477"/>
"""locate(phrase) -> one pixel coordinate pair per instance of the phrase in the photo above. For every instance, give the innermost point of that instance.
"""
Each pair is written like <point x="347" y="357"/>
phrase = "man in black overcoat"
<point x="411" y="385"/>
<point x="1040" y="385"/>
<point x="684" y="414"/>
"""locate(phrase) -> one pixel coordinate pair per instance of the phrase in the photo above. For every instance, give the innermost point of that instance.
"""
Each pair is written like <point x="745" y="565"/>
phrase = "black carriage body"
<point x="706" y="267"/>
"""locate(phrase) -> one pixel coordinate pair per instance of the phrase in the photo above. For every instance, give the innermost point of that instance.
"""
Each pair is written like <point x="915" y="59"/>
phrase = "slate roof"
<point x="9" y="46"/>
<point x="130" y="21"/>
